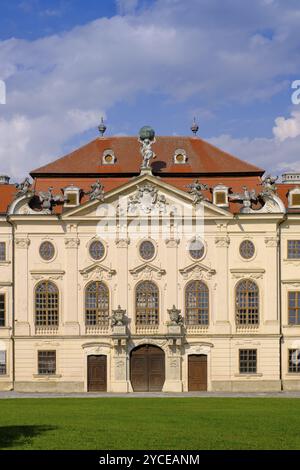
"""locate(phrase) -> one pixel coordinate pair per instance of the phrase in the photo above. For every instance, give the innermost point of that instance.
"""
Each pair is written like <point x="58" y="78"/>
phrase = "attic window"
<point x="220" y="195"/>
<point x="294" y="198"/>
<point x="71" y="194"/>
<point x="180" y="156"/>
<point x="108" y="157"/>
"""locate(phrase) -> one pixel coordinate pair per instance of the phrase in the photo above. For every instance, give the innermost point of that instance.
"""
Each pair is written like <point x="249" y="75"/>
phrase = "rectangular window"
<point x="294" y="249"/>
<point x="2" y="251"/>
<point x="47" y="362"/>
<point x="248" y="361"/>
<point x="2" y="362"/>
<point x="2" y="310"/>
<point x="294" y="360"/>
<point x="294" y="308"/>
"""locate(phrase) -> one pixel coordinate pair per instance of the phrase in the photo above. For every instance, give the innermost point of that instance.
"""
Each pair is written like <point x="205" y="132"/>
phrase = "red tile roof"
<point x="7" y="193"/>
<point x="203" y="158"/>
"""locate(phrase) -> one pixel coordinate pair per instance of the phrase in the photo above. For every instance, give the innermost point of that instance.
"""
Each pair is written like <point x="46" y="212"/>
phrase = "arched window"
<point x="46" y="304"/>
<point x="96" y="304"/>
<point x="197" y="303"/>
<point x="147" y="303"/>
<point x="247" y="303"/>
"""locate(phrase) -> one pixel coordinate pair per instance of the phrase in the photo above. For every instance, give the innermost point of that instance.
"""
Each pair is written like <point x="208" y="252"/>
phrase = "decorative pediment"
<point x="247" y="273"/>
<point x="197" y="271"/>
<point x="147" y="271"/>
<point x="47" y="274"/>
<point x="97" y="271"/>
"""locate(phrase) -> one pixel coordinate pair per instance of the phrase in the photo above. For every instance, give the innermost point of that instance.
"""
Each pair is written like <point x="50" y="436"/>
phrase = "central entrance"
<point x="147" y="369"/>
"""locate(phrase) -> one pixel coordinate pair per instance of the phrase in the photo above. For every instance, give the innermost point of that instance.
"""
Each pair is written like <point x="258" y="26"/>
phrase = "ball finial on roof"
<point x="147" y="132"/>
<point x="102" y="127"/>
<point x="194" y="127"/>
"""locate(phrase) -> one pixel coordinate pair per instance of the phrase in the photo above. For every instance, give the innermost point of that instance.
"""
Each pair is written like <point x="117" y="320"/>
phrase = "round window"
<point x="196" y="249"/>
<point x="247" y="249"/>
<point x="147" y="250"/>
<point x="97" y="250"/>
<point x="47" y="251"/>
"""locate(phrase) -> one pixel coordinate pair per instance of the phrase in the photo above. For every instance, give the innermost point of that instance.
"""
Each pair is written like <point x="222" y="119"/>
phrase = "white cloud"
<point x="208" y="52"/>
<point x="287" y="128"/>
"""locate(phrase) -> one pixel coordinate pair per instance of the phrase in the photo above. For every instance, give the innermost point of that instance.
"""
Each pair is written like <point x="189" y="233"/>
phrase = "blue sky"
<point x="157" y="62"/>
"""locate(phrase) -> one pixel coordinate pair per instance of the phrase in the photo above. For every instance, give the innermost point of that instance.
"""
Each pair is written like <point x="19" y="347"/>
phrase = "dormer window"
<point x="108" y="157"/>
<point x="294" y="198"/>
<point x="220" y="195"/>
<point x="180" y="156"/>
<point x="72" y="196"/>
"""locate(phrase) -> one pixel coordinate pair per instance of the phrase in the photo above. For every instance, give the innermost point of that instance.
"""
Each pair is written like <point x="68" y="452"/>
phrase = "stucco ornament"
<point x="96" y="192"/>
<point x="118" y="317"/>
<point x="147" y="199"/>
<point x="175" y="316"/>
<point x="195" y="189"/>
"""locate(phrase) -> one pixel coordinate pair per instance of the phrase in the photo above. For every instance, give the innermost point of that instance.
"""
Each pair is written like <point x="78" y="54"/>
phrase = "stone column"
<point x="70" y="312"/>
<point x="22" y="306"/>
<point x="221" y="297"/>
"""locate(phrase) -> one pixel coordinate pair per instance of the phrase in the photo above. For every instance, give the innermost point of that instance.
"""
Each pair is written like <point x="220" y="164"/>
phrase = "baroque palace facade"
<point x="149" y="264"/>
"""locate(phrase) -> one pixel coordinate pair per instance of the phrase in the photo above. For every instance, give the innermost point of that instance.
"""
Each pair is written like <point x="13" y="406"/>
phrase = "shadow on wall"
<point x="11" y="436"/>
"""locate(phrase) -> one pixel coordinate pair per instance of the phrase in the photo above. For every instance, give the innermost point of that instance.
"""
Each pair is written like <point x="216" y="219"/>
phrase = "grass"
<point x="150" y="423"/>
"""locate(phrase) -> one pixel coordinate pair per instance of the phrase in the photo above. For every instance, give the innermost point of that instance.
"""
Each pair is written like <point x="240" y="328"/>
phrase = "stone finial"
<point x="102" y="127"/>
<point x="194" y="127"/>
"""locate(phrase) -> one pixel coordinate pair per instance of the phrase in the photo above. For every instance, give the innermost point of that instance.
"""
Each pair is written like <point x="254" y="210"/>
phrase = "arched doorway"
<point x="97" y="373"/>
<point x="147" y="368"/>
<point x="197" y="372"/>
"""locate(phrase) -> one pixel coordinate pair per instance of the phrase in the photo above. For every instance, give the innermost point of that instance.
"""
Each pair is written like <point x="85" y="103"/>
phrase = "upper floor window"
<point x="47" y="251"/>
<point x="294" y="308"/>
<point x="96" y="304"/>
<point x="197" y="303"/>
<point x="46" y="362"/>
<point x="147" y="250"/>
<point x="248" y="361"/>
<point x="97" y="250"/>
<point x="147" y="303"/>
<point x="294" y="360"/>
<point x="2" y="251"/>
<point x="2" y="310"/>
<point x="2" y="362"/>
<point x="46" y="304"/>
<point x="294" y="249"/>
<point x="247" y="249"/>
<point x="247" y="303"/>
<point x="196" y="249"/>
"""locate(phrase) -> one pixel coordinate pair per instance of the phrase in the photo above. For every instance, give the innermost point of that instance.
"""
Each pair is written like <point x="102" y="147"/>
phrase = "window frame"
<point x="91" y="243"/>
<point x="295" y="250"/>
<point x="98" y="314"/>
<point x="249" y="368"/>
<point x="4" y="311"/>
<point x="198" y="307"/>
<point x="247" y="314"/>
<point x="3" y="369"/>
<point x="45" y="260"/>
<point x="47" y="373"/>
<point x="4" y="244"/>
<point x="289" y="365"/>
<point x="47" y="309"/>
<point x="147" y="240"/>
<point x="296" y="308"/>
<point x="148" y="322"/>
<point x="247" y="240"/>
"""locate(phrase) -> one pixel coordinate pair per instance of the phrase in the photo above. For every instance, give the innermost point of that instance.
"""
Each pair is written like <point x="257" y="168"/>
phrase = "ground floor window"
<point x="2" y="362"/>
<point x="248" y="361"/>
<point x="47" y="362"/>
<point x="2" y="310"/>
<point x="294" y="360"/>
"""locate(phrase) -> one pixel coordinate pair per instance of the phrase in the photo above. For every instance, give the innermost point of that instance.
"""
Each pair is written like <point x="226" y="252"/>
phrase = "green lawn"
<point x="150" y="423"/>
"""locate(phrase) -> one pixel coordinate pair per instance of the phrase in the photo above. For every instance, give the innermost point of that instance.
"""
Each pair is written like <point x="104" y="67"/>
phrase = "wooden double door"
<point x="147" y="369"/>
<point x="197" y="372"/>
<point x="97" y="374"/>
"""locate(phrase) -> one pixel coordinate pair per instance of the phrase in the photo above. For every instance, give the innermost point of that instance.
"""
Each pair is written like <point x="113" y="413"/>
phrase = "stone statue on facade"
<point x="48" y="200"/>
<point x="247" y="197"/>
<point x="118" y="317"/>
<point x="23" y="188"/>
<point x="147" y="139"/>
<point x="175" y="316"/>
<point x="96" y="192"/>
<point x="195" y="189"/>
